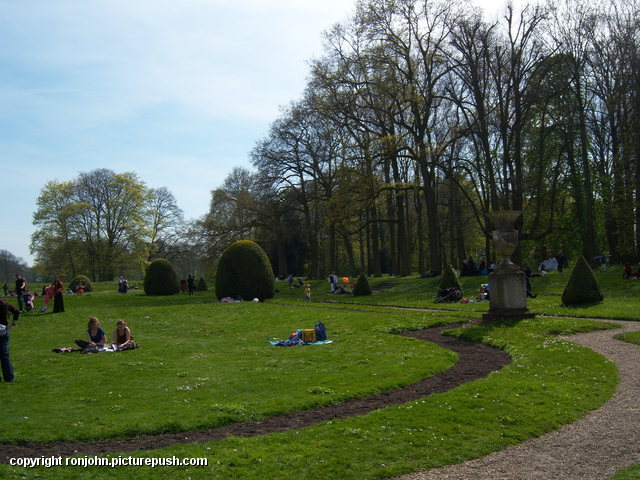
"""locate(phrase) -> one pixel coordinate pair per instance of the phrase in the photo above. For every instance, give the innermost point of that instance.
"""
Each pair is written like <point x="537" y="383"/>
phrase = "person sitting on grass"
<point x="483" y="296"/>
<point x="122" y="339"/>
<point x="95" y="336"/>
<point x="342" y="289"/>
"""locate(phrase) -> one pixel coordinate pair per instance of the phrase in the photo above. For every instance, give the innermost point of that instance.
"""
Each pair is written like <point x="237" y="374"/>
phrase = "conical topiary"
<point x="202" y="285"/>
<point x="449" y="280"/>
<point x="161" y="278"/>
<point x="362" y="286"/>
<point x="244" y="271"/>
<point x="583" y="287"/>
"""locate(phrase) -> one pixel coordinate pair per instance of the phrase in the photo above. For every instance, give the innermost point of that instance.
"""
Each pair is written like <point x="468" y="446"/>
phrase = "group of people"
<point x="555" y="262"/>
<point x="629" y="274"/>
<point x="97" y="339"/>
<point x="123" y="284"/>
<point x="470" y="269"/>
<point x="188" y="285"/>
<point x="25" y="296"/>
<point x="338" y="288"/>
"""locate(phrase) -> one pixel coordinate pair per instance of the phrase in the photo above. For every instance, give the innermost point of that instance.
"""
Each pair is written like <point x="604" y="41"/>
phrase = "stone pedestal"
<point x="507" y="296"/>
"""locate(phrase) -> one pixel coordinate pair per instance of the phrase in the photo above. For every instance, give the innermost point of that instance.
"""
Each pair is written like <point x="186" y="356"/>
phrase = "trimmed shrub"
<point x="244" y="271"/>
<point x="449" y="280"/>
<point x="77" y="280"/>
<point x="202" y="285"/>
<point x="362" y="286"/>
<point x="583" y="287"/>
<point x="161" y="278"/>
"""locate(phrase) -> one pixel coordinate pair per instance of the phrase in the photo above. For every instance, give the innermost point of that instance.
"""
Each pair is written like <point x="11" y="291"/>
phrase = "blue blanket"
<point x="296" y="342"/>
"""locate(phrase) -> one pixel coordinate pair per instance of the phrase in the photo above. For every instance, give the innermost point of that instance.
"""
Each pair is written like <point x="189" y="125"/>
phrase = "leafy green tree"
<point x="102" y="222"/>
<point x="166" y="225"/>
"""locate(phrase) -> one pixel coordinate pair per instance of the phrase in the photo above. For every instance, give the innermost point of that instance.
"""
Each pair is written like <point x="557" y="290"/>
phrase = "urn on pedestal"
<point x="507" y="285"/>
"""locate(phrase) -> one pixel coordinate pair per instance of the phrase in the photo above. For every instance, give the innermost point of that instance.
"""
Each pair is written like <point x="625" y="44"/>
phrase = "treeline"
<point x="422" y="116"/>
<point x="10" y="265"/>
<point x="103" y="224"/>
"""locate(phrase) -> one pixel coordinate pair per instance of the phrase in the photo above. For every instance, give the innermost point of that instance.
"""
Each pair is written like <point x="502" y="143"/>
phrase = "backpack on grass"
<point x="321" y="332"/>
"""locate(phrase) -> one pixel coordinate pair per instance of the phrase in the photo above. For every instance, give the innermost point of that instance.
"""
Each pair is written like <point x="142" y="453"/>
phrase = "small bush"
<point x="244" y="271"/>
<point x="161" y="278"/>
<point x="583" y="287"/>
<point x="202" y="285"/>
<point x="77" y="280"/>
<point x="362" y="286"/>
<point x="449" y="280"/>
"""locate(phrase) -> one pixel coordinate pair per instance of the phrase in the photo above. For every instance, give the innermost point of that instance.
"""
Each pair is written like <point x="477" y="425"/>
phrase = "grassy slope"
<point x="550" y="383"/>
<point x="622" y="297"/>
<point x="205" y="363"/>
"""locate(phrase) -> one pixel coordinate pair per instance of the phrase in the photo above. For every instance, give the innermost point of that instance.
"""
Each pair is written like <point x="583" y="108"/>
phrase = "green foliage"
<point x="161" y="278"/>
<point x="583" y="287"/>
<point x="202" y="285"/>
<point x="449" y="280"/>
<point x="362" y="287"/>
<point x="244" y="270"/>
<point x="77" y="280"/>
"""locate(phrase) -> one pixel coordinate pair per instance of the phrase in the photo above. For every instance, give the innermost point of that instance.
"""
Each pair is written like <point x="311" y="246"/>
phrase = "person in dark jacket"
<point x="21" y="286"/>
<point x="58" y="300"/>
<point x="5" y="361"/>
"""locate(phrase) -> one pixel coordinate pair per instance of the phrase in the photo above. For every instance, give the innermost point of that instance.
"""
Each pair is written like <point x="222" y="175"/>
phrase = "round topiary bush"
<point x="362" y="286"/>
<point x="81" y="279"/>
<point x="583" y="287"/>
<point x="161" y="278"/>
<point x="449" y="280"/>
<point x="244" y="271"/>
<point x="202" y="285"/>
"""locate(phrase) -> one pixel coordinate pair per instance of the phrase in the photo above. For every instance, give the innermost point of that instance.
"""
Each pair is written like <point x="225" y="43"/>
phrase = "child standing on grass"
<point x="307" y="293"/>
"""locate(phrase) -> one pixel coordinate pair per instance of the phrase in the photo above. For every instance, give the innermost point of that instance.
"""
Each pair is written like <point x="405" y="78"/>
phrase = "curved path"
<point x="475" y="360"/>
<point x="593" y="448"/>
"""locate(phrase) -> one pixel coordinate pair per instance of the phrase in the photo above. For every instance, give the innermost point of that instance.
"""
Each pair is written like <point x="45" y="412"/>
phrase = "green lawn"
<point x="631" y="473"/>
<point x="205" y="364"/>
<point x="622" y="297"/>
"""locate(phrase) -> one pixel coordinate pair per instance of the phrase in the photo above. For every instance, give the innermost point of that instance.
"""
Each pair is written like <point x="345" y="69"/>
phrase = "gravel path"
<point x="592" y="448"/>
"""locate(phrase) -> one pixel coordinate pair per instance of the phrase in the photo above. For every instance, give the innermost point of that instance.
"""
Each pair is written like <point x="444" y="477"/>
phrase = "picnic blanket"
<point x="296" y="337"/>
<point x="93" y="349"/>
<point x="296" y="342"/>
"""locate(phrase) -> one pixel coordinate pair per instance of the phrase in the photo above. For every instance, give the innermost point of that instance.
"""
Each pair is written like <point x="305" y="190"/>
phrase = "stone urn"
<point x="505" y="237"/>
<point x="507" y="285"/>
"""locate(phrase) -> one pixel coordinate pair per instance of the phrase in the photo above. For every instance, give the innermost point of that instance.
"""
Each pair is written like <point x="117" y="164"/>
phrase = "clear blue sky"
<point x="177" y="91"/>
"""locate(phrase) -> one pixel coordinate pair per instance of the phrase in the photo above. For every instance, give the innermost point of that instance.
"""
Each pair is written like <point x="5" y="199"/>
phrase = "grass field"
<point x="203" y="364"/>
